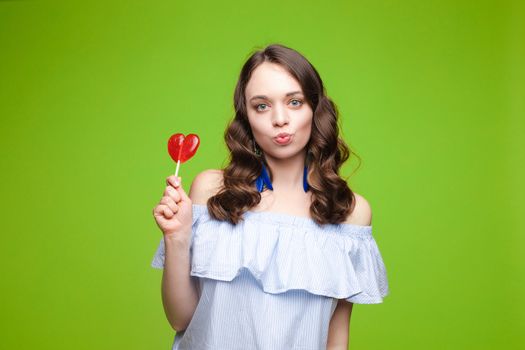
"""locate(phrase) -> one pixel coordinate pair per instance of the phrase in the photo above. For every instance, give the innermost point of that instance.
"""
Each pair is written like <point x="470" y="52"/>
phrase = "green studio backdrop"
<point x="430" y="95"/>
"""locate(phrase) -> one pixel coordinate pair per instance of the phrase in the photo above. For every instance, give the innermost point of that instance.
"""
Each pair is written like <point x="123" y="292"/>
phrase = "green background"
<point x="431" y="95"/>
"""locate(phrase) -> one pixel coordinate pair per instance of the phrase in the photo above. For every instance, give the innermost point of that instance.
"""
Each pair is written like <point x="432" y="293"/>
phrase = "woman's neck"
<point x="287" y="173"/>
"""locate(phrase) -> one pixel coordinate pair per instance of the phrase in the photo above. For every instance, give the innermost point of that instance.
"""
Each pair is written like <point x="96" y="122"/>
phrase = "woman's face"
<point x="275" y="105"/>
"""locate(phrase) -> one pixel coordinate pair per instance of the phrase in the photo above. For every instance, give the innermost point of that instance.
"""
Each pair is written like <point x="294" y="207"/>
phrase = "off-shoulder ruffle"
<point x="285" y="252"/>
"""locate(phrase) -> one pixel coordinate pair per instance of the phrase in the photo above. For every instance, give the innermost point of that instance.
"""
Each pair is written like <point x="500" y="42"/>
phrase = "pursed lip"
<point x="283" y="138"/>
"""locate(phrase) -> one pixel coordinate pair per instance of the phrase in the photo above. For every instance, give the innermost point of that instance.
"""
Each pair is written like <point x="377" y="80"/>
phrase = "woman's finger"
<point x="173" y="181"/>
<point x="163" y="210"/>
<point x="168" y="201"/>
<point x="182" y="193"/>
<point x="168" y="214"/>
<point x="173" y="193"/>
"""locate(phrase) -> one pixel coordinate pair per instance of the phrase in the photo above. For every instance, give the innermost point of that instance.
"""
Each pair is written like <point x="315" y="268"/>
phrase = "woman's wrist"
<point x="177" y="240"/>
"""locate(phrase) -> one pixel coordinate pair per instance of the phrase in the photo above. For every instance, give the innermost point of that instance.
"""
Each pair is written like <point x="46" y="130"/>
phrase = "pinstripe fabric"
<point x="273" y="280"/>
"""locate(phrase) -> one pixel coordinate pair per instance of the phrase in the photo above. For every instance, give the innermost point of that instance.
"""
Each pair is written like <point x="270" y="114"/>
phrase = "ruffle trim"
<point x="285" y="252"/>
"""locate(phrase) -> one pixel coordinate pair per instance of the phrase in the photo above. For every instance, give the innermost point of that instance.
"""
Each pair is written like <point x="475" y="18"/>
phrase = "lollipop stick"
<point x="177" y="169"/>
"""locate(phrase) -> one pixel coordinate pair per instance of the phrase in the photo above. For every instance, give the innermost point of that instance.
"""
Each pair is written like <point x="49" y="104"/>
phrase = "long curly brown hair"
<point x="332" y="199"/>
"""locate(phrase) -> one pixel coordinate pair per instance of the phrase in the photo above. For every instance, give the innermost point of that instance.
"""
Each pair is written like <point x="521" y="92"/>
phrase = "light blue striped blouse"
<point x="273" y="280"/>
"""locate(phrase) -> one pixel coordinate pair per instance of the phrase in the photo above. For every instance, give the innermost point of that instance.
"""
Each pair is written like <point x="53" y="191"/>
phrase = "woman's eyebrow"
<point x="266" y="97"/>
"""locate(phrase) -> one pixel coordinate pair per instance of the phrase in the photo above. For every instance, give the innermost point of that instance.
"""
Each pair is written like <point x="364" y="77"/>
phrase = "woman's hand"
<point x="174" y="213"/>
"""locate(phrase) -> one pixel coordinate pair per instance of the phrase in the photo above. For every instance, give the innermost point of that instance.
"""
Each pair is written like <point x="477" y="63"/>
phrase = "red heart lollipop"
<point x="181" y="148"/>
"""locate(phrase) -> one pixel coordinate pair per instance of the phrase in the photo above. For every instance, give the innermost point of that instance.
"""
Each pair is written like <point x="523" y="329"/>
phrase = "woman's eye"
<point x="258" y="107"/>
<point x="298" y="103"/>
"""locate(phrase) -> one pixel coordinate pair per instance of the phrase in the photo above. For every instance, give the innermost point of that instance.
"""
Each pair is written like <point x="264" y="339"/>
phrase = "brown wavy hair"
<point x="332" y="199"/>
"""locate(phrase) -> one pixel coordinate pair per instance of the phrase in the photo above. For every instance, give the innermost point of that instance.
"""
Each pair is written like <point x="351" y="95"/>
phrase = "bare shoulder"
<point x="205" y="185"/>
<point x="362" y="213"/>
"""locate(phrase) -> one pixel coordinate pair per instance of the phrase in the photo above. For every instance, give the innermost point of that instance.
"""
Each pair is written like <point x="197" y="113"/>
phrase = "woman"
<point x="272" y="251"/>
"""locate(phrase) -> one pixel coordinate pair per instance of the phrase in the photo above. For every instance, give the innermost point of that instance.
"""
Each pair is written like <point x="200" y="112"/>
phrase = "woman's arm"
<point x="179" y="290"/>
<point x="179" y="294"/>
<point x="338" y="331"/>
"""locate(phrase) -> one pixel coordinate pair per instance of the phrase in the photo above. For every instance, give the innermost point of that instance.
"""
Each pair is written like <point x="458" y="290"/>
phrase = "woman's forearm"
<point x="179" y="294"/>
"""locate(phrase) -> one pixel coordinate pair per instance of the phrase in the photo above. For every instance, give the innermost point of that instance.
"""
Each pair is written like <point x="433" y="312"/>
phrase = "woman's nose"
<point x="280" y="116"/>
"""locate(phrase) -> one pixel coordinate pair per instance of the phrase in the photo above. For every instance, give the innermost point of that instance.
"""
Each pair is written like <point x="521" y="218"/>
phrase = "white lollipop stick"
<point x="177" y="169"/>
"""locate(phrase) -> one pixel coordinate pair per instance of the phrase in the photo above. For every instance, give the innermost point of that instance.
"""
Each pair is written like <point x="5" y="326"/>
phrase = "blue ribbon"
<point x="263" y="180"/>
